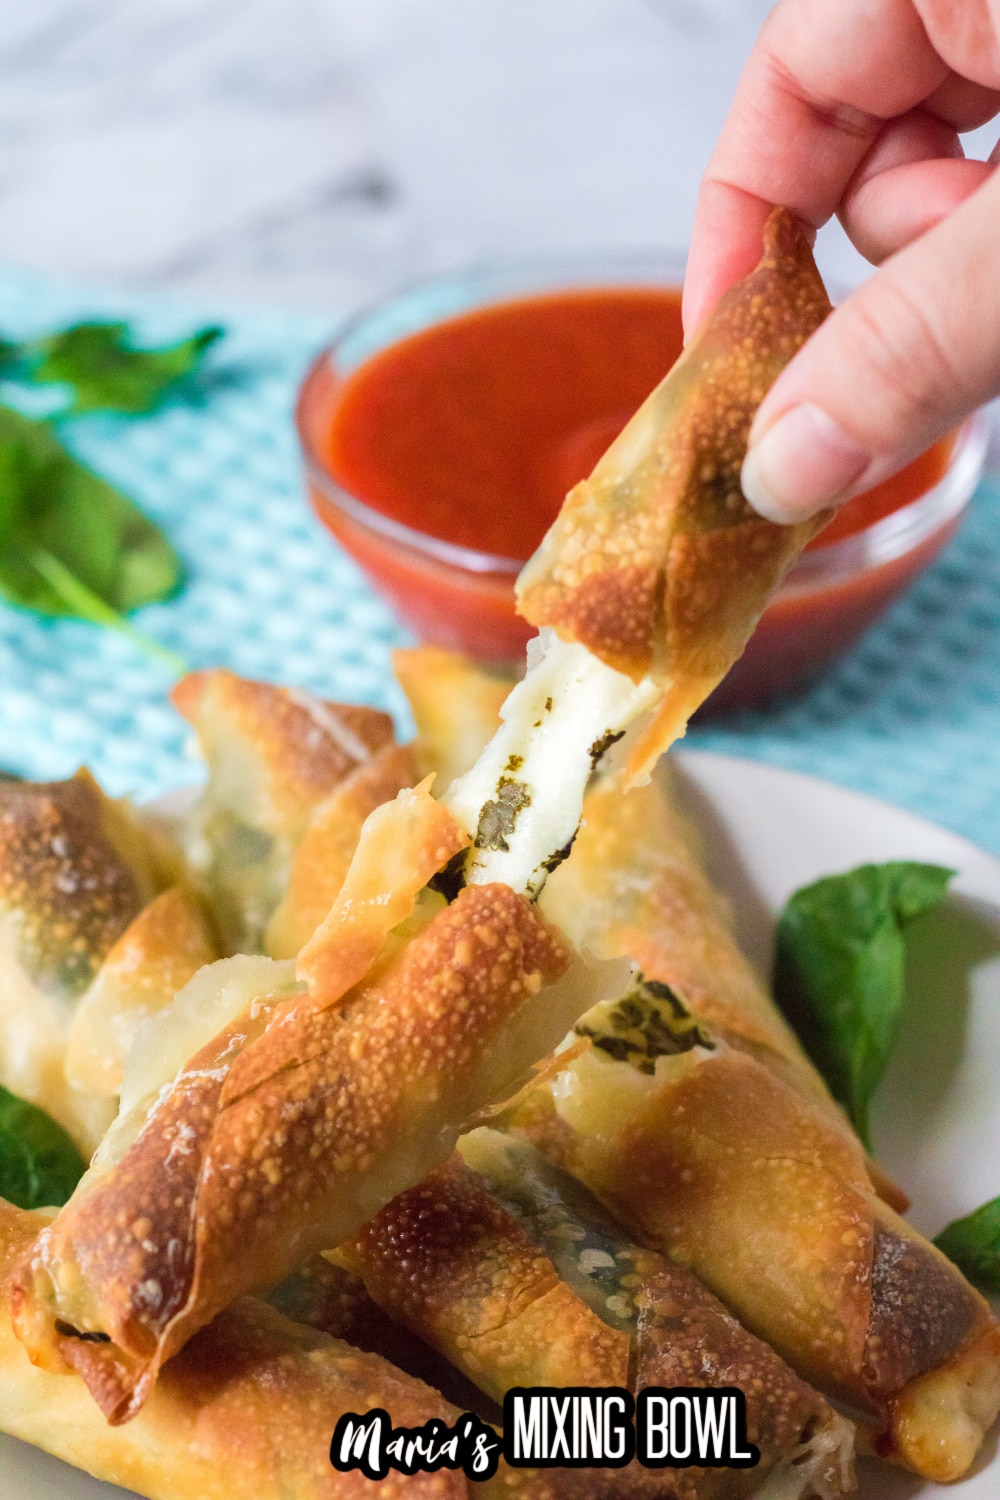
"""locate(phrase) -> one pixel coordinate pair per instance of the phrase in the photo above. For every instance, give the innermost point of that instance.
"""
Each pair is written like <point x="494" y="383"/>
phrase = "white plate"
<point x="937" y="1121"/>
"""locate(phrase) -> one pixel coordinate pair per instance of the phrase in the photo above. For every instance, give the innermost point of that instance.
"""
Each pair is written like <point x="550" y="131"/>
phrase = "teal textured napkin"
<point x="269" y="592"/>
<point x="912" y="715"/>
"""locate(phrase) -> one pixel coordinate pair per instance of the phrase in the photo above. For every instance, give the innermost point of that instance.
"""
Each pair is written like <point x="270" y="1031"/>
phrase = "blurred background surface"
<point x="316" y="152"/>
<point x="273" y="164"/>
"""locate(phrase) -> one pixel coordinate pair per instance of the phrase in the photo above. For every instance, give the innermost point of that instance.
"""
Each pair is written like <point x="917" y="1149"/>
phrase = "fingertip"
<point x="726" y="243"/>
<point x="804" y="462"/>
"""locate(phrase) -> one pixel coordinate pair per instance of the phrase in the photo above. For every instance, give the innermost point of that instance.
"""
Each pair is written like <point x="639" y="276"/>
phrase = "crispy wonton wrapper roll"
<point x="510" y="1268"/>
<point x="247" y="1409"/>
<point x="656" y="563"/>
<point x="634" y="885"/>
<point x="76" y="868"/>
<point x="707" y="1154"/>
<point x="265" y="1117"/>
<point x="274" y="755"/>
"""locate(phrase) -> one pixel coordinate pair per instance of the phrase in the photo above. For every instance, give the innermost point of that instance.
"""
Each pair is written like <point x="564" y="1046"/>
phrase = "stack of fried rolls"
<point x="285" y="1099"/>
<point x="730" y="1154"/>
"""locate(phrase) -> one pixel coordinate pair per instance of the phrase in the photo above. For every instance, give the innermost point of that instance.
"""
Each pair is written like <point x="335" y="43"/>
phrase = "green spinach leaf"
<point x="39" y="1164"/>
<point x="973" y="1243"/>
<point x="71" y="544"/>
<point x="839" y="969"/>
<point x="108" y="373"/>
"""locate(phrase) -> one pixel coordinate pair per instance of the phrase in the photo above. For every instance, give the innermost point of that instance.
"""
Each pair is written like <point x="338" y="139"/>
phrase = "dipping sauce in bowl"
<point x="442" y="431"/>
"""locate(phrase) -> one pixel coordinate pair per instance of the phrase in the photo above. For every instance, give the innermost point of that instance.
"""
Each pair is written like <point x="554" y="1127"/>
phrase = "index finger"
<point x="820" y="84"/>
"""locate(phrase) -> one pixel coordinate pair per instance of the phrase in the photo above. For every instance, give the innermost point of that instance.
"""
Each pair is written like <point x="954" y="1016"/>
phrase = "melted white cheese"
<point x="553" y="724"/>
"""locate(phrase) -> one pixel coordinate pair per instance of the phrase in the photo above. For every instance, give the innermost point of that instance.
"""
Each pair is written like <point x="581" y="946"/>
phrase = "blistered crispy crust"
<point x="687" y="1338"/>
<point x="634" y="885"/>
<point x="278" y="751"/>
<point x="281" y="1137"/>
<point x="323" y="857"/>
<point x="66" y="890"/>
<point x="246" y="1409"/>
<point x="733" y="1175"/>
<point x="657" y="563"/>
<point x="449" y="1260"/>
<point x="473" y="1279"/>
<point x="155" y="956"/>
<point x="75" y="868"/>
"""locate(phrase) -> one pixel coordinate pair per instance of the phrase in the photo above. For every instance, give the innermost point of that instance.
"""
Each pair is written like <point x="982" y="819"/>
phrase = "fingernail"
<point x="803" y="463"/>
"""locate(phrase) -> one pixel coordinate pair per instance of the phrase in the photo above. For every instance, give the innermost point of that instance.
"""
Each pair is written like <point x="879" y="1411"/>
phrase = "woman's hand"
<point x="853" y="107"/>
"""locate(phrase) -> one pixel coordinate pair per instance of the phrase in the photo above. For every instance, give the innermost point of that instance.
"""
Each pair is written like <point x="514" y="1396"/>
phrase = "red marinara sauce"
<point x="467" y="436"/>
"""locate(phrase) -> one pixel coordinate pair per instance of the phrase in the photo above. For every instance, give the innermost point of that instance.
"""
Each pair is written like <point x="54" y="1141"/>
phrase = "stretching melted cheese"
<point x="522" y="801"/>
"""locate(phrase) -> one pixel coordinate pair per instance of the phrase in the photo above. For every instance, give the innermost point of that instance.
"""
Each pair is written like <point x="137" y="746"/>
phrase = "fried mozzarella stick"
<point x="274" y="1108"/>
<point x="507" y="1266"/>
<point x="689" y="1110"/>
<point x="649" y="583"/>
<point x="246" y="1409"/>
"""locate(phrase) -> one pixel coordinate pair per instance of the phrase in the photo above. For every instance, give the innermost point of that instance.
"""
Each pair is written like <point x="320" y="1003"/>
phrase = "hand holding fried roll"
<point x="657" y="564"/>
<point x="648" y="584"/>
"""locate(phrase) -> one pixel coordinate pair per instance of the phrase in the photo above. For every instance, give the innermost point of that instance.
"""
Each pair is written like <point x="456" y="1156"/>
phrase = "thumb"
<point x="908" y="356"/>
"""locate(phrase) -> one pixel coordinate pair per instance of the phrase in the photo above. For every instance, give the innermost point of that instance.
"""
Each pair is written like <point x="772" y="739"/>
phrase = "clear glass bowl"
<point x="460" y="597"/>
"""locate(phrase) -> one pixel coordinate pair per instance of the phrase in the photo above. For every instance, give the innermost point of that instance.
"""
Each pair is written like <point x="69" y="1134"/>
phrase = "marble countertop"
<point x="316" y="152"/>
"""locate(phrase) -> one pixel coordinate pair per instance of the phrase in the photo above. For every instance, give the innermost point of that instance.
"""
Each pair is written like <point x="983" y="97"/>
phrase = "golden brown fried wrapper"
<point x="274" y="755"/>
<point x="634" y="885"/>
<point x="76" y="868"/>
<point x="512" y="1270"/>
<point x="247" y="1409"/>
<point x="771" y="1197"/>
<point x="705" y="1154"/>
<point x="306" y="1107"/>
<point x="656" y="563"/>
<point x="155" y="957"/>
<point x="322" y="859"/>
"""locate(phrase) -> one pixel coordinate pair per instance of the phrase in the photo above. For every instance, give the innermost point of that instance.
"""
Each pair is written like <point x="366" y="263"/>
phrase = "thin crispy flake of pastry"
<point x="247" y="1408"/>
<point x="509" y="1267"/>
<point x="156" y="955"/>
<point x="299" y="1108"/>
<point x="322" y="859"/>
<point x="656" y="563"/>
<point x="274" y="754"/>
